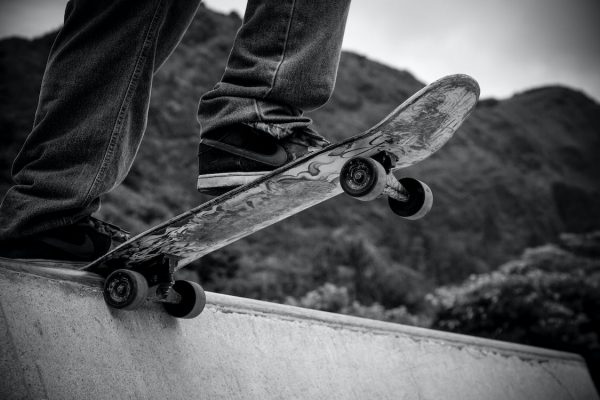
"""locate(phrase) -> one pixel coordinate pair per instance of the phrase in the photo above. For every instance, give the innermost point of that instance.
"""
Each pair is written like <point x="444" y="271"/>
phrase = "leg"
<point x="283" y="62"/>
<point x="92" y="109"/>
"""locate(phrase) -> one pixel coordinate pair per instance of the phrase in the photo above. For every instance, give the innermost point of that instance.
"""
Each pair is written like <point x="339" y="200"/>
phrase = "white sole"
<point x="227" y="179"/>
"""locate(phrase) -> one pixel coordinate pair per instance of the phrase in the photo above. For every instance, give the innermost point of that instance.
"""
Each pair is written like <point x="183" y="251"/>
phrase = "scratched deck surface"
<point x="415" y="130"/>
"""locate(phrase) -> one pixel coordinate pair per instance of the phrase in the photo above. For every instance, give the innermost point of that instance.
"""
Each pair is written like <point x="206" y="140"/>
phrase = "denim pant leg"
<point x="92" y="109"/>
<point x="283" y="62"/>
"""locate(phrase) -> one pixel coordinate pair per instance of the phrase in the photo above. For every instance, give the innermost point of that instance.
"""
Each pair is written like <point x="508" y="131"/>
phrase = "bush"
<point x="332" y="298"/>
<point x="550" y="297"/>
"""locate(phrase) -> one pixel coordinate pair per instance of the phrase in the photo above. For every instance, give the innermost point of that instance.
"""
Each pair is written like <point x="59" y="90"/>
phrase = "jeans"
<point x="95" y="93"/>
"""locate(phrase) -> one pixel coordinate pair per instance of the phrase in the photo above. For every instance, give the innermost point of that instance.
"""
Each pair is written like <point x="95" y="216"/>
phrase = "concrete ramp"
<point x="58" y="340"/>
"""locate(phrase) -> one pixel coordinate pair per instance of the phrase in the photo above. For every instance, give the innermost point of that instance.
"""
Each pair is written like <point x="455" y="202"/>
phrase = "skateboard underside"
<point x="414" y="131"/>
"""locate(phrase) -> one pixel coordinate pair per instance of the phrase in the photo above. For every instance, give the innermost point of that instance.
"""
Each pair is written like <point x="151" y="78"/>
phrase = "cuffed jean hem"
<point x="226" y="111"/>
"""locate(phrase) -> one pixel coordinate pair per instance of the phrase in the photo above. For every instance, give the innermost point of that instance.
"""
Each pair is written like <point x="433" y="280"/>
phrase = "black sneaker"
<point x="86" y="240"/>
<point x="238" y="154"/>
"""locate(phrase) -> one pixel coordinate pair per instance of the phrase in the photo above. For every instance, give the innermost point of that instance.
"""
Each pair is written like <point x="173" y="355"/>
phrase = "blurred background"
<point x="511" y="249"/>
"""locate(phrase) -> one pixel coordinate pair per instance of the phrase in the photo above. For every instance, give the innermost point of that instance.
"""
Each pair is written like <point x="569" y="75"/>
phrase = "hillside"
<point x="517" y="174"/>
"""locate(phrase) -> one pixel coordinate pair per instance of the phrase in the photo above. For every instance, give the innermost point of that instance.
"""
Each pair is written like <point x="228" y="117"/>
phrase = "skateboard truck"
<point x="163" y="281"/>
<point x="128" y="289"/>
<point x="367" y="178"/>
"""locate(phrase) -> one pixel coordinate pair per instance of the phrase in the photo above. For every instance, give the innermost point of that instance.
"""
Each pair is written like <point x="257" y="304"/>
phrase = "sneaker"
<point x="238" y="154"/>
<point x="83" y="241"/>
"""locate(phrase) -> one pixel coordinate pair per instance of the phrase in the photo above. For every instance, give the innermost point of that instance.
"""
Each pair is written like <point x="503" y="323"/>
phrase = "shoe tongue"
<point x="310" y="139"/>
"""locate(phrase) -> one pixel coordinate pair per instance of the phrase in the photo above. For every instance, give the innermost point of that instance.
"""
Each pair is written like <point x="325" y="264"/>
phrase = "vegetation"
<point x="549" y="297"/>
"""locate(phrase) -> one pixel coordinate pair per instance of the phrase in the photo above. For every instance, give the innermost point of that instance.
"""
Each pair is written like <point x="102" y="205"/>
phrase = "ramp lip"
<point x="231" y="304"/>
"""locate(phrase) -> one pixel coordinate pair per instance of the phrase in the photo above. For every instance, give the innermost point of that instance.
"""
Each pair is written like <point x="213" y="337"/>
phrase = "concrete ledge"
<point x="60" y="341"/>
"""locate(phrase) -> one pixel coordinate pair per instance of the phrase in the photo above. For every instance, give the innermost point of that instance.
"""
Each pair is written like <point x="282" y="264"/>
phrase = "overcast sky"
<point x="507" y="45"/>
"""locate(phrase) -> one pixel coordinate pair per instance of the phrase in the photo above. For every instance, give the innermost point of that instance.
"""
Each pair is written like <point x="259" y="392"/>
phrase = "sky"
<point x="507" y="45"/>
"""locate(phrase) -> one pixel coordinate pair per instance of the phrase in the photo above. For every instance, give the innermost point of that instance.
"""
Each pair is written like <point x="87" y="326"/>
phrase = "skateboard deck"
<point x="412" y="132"/>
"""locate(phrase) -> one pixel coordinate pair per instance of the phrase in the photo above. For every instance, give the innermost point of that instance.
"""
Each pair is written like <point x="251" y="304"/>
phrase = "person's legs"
<point x="95" y="93"/>
<point x="283" y="62"/>
<point x="92" y="110"/>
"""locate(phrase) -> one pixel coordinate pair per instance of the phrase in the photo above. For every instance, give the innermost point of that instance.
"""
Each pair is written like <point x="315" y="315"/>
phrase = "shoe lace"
<point x="308" y="137"/>
<point x="301" y="135"/>
<point x="116" y="233"/>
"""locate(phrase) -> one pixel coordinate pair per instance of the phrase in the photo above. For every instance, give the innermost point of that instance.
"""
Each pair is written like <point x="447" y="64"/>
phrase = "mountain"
<point x="517" y="174"/>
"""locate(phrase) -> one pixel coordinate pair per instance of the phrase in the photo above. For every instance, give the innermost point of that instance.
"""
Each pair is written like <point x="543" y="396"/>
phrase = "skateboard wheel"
<point x="420" y="200"/>
<point x="125" y="289"/>
<point x="193" y="300"/>
<point x="363" y="178"/>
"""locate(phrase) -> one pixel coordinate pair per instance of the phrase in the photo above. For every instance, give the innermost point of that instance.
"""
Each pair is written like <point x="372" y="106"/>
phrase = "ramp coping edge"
<point x="232" y="304"/>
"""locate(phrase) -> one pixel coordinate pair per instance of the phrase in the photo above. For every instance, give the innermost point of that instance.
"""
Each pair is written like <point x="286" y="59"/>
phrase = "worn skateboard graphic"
<point x="361" y="166"/>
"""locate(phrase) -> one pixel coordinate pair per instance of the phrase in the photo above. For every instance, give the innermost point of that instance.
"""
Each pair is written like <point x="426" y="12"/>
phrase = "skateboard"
<point x="361" y="166"/>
